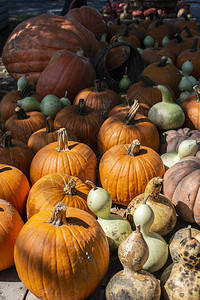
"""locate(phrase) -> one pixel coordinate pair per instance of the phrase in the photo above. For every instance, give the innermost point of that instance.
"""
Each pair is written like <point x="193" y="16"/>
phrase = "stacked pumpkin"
<point x="95" y="136"/>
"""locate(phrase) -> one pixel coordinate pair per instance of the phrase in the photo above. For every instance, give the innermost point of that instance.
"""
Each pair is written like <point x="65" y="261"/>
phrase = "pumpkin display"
<point x="10" y="225"/>
<point x="90" y="18"/>
<point x="121" y="170"/>
<point x="46" y="135"/>
<point x="181" y="186"/>
<point x="15" y="153"/>
<point x="181" y="23"/>
<point x="9" y="103"/>
<point x="158" y="30"/>
<point x="133" y="253"/>
<point x="71" y="254"/>
<point x="127" y="37"/>
<point x="55" y="32"/>
<point x="66" y="70"/>
<point x="22" y="124"/>
<point x="181" y="280"/>
<point x="123" y="128"/>
<point x="158" y="248"/>
<point x="161" y="23"/>
<point x="83" y="121"/>
<point x="101" y="99"/>
<point x="145" y="90"/>
<point x="190" y="34"/>
<point x="191" y="108"/>
<point x="178" y="44"/>
<point x="70" y="157"/>
<point x="114" y="27"/>
<point x="54" y="188"/>
<point x="171" y="139"/>
<point x="164" y="211"/>
<point x="14" y="187"/>
<point x="164" y="73"/>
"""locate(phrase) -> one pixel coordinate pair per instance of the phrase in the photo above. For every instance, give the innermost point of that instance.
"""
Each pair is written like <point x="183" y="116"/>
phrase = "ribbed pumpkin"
<point x="22" y="124"/>
<point x="125" y="170"/>
<point x="63" y="156"/>
<point x="145" y="91"/>
<point x="66" y="71"/>
<point x="158" y="30"/>
<point x="47" y="135"/>
<point x="90" y="18"/>
<point x="54" y="188"/>
<point x="127" y="37"/>
<point x="83" y="121"/>
<point x="15" y="153"/>
<point x="8" y="103"/>
<point x="99" y="98"/>
<point x="178" y="45"/>
<point x="164" y="73"/>
<point x="10" y="225"/>
<point x="122" y="128"/>
<point x="14" y="187"/>
<point x="64" y="255"/>
<point x="181" y="186"/>
<point x="33" y="42"/>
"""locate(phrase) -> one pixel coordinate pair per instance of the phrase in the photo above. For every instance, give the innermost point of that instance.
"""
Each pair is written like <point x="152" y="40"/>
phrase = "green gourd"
<point x="50" y="105"/>
<point x="181" y="280"/>
<point x="125" y="82"/>
<point x="148" y="42"/>
<point x="65" y="101"/>
<point x="29" y="104"/>
<point x="22" y="82"/>
<point x="165" y="40"/>
<point x="158" y="249"/>
<point x="133" y="282"/>
<point x="166" y="114"/>
<point x="115" y="227"/>
<point x="186" y="148"/>
<point x="187" y="67"/>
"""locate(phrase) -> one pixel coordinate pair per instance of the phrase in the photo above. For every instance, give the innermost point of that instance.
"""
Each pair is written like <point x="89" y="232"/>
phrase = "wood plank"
<point x="11" y="288"/>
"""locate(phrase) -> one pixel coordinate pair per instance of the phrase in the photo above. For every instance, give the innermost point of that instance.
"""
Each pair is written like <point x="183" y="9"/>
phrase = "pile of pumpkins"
<point x="86" y="171"/>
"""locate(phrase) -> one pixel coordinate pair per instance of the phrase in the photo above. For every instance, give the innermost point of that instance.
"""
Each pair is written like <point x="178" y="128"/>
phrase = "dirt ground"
<point x="7" y="83"/>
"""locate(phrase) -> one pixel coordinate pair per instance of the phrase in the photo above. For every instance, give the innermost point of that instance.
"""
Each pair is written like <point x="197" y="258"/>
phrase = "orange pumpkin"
<point x="15" y="153"/>
<point x="47" y="135"/>
<point x="14" y="187"/>
<point x="63" y="255"/>
<point x="125" y="170"/>
<point x="10" y="225"/>
<point x="72" y="158"/>
<point x="178" y="45"/>
<point x="127" y="37"/>
<point x="123" y="128"/>
<point x="54" y="188"/>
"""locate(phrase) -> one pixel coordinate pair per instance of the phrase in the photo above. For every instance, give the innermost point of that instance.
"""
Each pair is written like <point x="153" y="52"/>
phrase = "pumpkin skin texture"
<point x="15" y="153"/>
<point x="39" y="38"/>
<point x="54" y="188"/>
<point x="181" y="186"/>
<point x="99" y="98"/>
<point x="90" y="18"/>
<point x="115" y="130"/>
<point x="66" y="71"/>
<point x="122" y="175"/>
<point x="22" y="124"/>
<point x="10" y="226"/>
<point x="191" y="108"/>
<point x="72" y="158"/>
<point x="8" y="105"/>
<point x="14" y="187"/>
<point x="178" y="45"/>
<point x="71" y="254"/>
<point x="45" y="136"/>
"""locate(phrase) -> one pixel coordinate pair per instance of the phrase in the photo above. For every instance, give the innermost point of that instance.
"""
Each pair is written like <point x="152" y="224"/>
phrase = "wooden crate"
<point x="4" y="16"/>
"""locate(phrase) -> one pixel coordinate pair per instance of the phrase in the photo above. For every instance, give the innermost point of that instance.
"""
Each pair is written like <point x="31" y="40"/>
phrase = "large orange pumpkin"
<point x="66" y="71"/>
<point x="33" y="42"/>
<point x="125" y="170"/>
<point x="10" y="225"/>
<point x="54" y="188"/>
<point x="72" y="158"/>
<point x="64" y="255"/>
<point x="14" y="187"/>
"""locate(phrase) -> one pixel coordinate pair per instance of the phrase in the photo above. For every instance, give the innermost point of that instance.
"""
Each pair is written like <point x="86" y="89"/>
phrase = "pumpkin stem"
<point x="194" y="45"/>
<point x="59" y="215"/>
<point x="156" y="46"/>
<point x="80" y="52"/>
<point x="126" y="100"/>
<point x="97" y="86"/>
<point x="26" y="90"/>
<point x="6" y="140"/>
<point x="134" y="148"/>
<point x="196" y="88"/>
<point x="188" y="32"/>
<point x="91" y="183"/>
<point x="49" y="125"/>
<point x="62" y="140"/>
<point x="162" y="62"/>
<point x="132" y="112"/>
<point x="21" y="115"/>
<point x="189" y="231"/>
<point x="69" y="188"/>
<point x="178" y="38"/>
<point x="153" y="187"/>
<point x="147" y="81"/>
<point x="145" y="199"/>
<point x="81" y="108"/>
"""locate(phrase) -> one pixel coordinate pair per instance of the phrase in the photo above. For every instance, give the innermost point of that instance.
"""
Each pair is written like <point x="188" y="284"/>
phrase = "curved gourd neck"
<point x="166" y="95"/>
